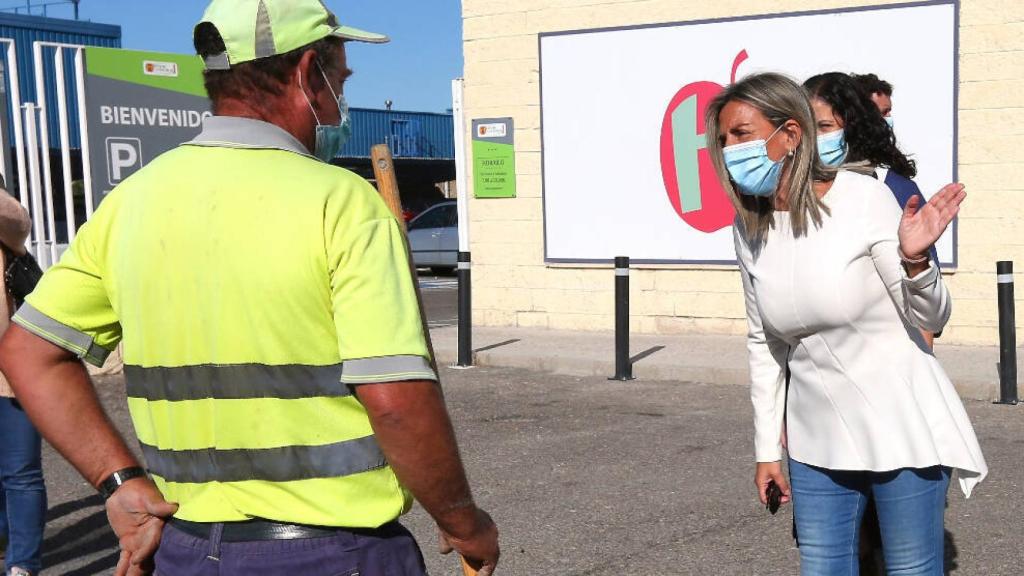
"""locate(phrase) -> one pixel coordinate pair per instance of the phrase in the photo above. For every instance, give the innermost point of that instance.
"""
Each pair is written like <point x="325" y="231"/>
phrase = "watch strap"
<point x="115" y="480"/>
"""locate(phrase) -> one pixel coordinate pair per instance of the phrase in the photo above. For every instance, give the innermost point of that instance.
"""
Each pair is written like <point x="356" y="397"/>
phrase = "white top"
<point x="865" y="392"/>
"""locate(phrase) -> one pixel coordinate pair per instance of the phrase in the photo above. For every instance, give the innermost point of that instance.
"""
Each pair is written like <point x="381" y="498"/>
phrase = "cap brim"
<point x="350" y="33"/>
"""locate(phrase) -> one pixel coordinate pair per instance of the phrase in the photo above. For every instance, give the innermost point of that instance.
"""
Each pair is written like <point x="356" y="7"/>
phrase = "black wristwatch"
<point x="115" y="480"/>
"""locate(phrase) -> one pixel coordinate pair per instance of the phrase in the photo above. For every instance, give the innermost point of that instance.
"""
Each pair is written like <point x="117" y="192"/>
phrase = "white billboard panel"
<point x="625" y="165"/>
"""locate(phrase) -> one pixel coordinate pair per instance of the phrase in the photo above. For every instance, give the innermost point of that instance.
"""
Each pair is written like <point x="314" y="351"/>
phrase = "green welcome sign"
<point x="139" y="105"/>
<point x="494" y="158"/>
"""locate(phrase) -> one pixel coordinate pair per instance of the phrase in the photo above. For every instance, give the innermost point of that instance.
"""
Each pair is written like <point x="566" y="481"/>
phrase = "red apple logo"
<point x="690" y="180"/>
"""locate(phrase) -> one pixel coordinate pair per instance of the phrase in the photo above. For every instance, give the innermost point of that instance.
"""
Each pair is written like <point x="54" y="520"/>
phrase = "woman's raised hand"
<point x="921" y="225"/>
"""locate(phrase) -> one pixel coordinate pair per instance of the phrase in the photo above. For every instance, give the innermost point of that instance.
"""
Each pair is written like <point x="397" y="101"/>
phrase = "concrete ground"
<point x="590" y="477"/>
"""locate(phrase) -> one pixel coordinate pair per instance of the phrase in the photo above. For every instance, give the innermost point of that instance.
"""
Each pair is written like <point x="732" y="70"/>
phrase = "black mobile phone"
<point x="774" y="496"/>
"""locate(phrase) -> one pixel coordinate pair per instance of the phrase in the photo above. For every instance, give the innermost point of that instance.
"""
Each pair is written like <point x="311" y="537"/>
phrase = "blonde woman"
<point x="838" y="283"/>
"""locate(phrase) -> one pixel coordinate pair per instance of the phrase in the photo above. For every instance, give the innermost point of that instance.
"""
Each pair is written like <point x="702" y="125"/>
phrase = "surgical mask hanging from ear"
<point x="754" y="173"/>
<point x="832" y="148"/>
<point x="330" y="139"/>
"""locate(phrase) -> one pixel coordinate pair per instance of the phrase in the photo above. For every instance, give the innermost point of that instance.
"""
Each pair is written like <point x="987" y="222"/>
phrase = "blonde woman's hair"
<point x="780" y="99"/>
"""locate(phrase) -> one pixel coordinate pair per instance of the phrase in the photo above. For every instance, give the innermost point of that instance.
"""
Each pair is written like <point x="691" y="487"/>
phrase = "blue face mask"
<point x="754" y="173"/>
<point x="888" y="120"/>
<point x="832" y="148"/>
<point x="330" y="139"/>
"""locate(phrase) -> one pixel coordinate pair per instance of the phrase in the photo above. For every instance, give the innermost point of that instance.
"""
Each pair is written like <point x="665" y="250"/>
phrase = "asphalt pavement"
<point x="586" y="476"/>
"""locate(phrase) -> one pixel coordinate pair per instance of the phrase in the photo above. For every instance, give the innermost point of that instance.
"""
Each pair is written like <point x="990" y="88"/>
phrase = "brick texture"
<point x="516" y="288"/>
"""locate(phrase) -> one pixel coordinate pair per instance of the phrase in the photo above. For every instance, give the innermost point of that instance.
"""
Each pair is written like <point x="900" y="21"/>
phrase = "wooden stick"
<point x="387" y="182"/>
<point x="387" y="185"/>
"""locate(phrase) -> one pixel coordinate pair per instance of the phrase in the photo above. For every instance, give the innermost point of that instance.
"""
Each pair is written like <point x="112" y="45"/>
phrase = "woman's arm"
<point x="917" y="289"/>
<point x="768" y="356"/>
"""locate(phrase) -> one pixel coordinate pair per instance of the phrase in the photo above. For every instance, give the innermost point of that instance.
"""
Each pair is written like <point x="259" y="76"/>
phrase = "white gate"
<point x="31" y="127"/>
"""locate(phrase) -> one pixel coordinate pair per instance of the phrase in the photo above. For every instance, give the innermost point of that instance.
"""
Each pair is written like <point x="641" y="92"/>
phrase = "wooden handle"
<point x="467" y="570"/>
<point x="387" y="186"/>
<point x="387" y="182"/>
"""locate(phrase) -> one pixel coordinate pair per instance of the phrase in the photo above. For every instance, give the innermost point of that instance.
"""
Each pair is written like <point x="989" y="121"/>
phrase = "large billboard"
<point x="626" y="168"/>
<point x="139" y="105"/>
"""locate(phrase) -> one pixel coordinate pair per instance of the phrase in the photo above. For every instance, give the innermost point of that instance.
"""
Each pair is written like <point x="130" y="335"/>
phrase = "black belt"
<point x="256" y="530"/>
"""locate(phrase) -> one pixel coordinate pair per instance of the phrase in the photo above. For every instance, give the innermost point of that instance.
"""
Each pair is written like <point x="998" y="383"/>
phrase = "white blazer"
<point x="865" y="391"/>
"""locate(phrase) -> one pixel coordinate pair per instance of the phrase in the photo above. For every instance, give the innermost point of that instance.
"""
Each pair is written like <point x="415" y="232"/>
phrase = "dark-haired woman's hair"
<point x="868" y="136"/>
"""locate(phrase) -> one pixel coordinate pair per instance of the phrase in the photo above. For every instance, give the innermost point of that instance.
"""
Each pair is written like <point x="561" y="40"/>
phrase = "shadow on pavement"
<point x="103" y="565"/>
<point x="645" y="354"/>
<point x="951" y="553"/>
<point x="88" y="536"/>
<point x="62" y="510"/>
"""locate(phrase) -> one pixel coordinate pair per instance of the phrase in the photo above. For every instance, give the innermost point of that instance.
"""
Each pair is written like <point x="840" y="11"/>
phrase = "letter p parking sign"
<point x="124" y="157"/>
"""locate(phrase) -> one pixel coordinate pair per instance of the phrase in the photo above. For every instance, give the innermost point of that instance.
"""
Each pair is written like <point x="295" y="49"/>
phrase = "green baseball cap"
<point x="253" y="29"/>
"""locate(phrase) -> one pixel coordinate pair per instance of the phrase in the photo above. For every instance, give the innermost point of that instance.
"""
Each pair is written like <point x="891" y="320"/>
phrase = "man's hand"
<point x="137" y="512"/>
<point x="478" y="545"/>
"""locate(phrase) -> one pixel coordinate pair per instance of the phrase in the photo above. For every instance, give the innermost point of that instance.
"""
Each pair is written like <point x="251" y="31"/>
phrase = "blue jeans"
<point x="24" y="493"/>
<point x="829" y="504"/>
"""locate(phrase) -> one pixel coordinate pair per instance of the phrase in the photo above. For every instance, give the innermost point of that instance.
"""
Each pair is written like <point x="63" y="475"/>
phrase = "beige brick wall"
<point x="513" y="287"/>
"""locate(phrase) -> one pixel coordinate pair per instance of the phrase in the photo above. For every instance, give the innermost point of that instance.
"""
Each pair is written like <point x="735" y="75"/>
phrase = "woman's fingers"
<point x="912" y="205"/>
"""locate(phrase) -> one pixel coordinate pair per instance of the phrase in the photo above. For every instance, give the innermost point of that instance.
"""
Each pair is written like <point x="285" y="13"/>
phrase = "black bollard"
<point x="465" y="312"/>
<point x="1007" y="335"/>
<point x="623" y="367"/>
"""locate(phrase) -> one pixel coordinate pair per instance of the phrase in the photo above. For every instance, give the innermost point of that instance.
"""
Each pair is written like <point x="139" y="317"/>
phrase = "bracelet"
<point x="117" y="479"/>
<point x="907" y="260"/>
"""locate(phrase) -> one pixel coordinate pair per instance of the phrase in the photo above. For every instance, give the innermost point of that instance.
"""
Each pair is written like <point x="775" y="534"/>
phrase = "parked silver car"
<point x="434" y="238"/>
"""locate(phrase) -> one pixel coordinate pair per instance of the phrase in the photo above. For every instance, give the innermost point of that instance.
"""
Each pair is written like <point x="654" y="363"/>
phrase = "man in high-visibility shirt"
<point x="277" y="371"/>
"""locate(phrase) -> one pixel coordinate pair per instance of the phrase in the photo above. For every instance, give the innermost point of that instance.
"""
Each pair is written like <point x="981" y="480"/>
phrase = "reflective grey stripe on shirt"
<point x="234" y="382"/>
<point x="283" y="464"/>
<point x="386" y="369"/>
<point x="68" y="338"/>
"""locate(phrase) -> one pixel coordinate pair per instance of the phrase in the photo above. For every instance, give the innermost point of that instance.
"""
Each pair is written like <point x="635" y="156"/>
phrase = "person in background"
<point x="852" y="133"/>
<point x="22" y="490"/>
<point x="880" y="92"/>
<point x="837" y="282"/>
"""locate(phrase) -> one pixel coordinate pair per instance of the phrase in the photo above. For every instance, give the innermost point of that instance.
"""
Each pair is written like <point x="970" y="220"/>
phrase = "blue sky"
<point x="415" y="70"/>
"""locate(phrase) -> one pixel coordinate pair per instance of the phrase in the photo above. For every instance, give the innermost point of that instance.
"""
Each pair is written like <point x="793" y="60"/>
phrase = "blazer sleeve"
<point x="768" y="357"/>
<point x="924" y="299"/>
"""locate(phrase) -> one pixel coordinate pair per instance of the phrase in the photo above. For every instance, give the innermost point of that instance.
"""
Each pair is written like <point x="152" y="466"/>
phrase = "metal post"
<point x="1007" y="335"/>
<point x="465" y="312"/>
<point x="38" y="231"/>
<point x="623" y="368"/>
<point x="65" y="145"/>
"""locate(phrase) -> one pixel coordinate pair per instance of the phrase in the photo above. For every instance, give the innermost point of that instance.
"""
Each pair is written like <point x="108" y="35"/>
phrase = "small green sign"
<point x="494" y="158"/>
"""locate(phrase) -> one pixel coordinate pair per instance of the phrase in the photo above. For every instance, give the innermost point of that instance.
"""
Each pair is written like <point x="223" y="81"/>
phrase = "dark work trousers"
<point x="386" y="551"/>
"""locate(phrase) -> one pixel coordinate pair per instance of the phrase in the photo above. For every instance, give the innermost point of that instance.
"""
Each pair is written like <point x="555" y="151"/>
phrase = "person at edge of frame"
<point x="277" y="372"/>
<point x="22" y="488"/>
<point x="836" y="277"/>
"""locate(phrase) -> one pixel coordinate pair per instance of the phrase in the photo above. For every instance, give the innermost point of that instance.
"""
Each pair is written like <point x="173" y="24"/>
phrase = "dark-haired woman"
<point x="852" y="133"/>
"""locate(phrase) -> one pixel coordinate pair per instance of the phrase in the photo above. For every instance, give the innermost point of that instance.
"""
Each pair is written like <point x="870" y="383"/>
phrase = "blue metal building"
<point x="409" y="134"/>
<point x="26" y="30"/>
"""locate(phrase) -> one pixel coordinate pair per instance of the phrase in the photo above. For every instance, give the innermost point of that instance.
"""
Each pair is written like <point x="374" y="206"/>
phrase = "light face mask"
<point x="888" y="120"/>
<point x="832" y="148"/>
<point x="754" y="173"/>
<point x="330" y="139"/>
